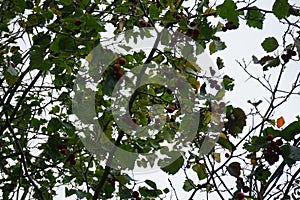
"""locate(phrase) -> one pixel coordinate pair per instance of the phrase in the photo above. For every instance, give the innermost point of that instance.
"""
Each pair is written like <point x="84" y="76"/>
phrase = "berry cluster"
<point x="136" y="195"/>
<point x="71" y="159"/>
<point x="289" y="54"/>
<point x="117" y="68"/>
<point x="273" y="150"/>
<point x="194" y="33"/>
<point x="241" y="184"/>
<point x="229" y="26"/>
<point x="63" y="150"/>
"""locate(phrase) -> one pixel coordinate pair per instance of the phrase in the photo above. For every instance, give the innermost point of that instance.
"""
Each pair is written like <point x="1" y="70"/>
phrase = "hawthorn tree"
<point x="43" y="46"/>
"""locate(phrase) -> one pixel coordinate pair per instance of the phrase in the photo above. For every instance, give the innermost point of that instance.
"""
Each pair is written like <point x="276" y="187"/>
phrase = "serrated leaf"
<point x="200" y="169"/>
<point x="188" y="185"/>
<point x="255" y="18"/>
<point x="270" y="44"/>
<point x="273" y="63"/>
<point x="228" y="11"/>
<point x="281" y="8"/>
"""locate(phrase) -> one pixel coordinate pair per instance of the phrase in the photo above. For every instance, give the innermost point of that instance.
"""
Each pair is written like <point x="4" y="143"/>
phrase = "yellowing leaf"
<point x="217" y="157"/>
<point x="198" y="85"/>
<point x="209" y="11"/>
<point x="280" y="122"/>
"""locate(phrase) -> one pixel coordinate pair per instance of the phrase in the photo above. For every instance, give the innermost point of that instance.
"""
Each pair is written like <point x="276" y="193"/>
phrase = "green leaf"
<point x="228" y="83"/>
<point x="188" y="185"/>
<point x="154" y="12"/>
<point x="225" y="143"/>
<point x="10" y="79"/>
<point x="255" y="18"/>
<point x="294" y="153"/>
<point x="261" y="173"/>
<point x="220" y="63"/>
<point x="234" y="169"/>
<point x="200" y="169"/>
<point x="286" y="155"/>
<point x="281" y="8"/>
<point x="174" y="167"/>
<point x="270" y="44"/>
<point x="288" y="133"/>
<point x="273" y="63"/>
<point x="228" y="11"/>
<point x="151" y="184"/>
<point x="236" y="120"/>
<point x="216" y="45"/>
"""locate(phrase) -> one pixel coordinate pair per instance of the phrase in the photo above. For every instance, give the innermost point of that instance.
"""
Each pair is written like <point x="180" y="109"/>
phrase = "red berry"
<point x="73" y="162"/>
<point x="122" y="61"/>
<point x="240" y="195"/>
<point x="227" y="155"/>
<point x="196" y="31"/>
<point x="279" y="142"/>
<point x="188" y="165"/>
<point x="172" y="119"/>
<point x="285" y="58"/>
<point x="135" y="194"/>
<point x="119" y="74"/>
<point x="143" y="23"/>
<point x="270" y="137"/>
<point x="71" y="157"/>
<point x="63" y="151"/>
<point x="193" y="23"/>
<point x="171" y="109"/>
<point x="179" y="16"/>
<point x="291" y="52"/>
<point x="116" y="67"/>
<point x="77" y="22"/>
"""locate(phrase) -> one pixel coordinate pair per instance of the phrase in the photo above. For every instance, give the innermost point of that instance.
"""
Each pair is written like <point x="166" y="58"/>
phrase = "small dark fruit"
<point x="172" y="119"/>
<point x="193" y="23"/>
<point x="122" y="61"/>
<point x="116" y="67"/>
<point x="77" y="22"/>
<point x="179" y="16"/>
<point x="171" y="109"/>
<point x="285" y="58"/>
<point x="135" y="194"/>
<point x="227" y="155"/>
<point x="270" y="137"/>
<point x="73" y="162"/>
<point x="246" y="188"/>
<point x="196" y="31"/>
<point x="279" y="142"/>
<point x="63" y="151"/>
<point x="291" y="52"/>
<point x="143" y="23"/>
<point x="119" y="74"/>
<point x="240" y="196"/>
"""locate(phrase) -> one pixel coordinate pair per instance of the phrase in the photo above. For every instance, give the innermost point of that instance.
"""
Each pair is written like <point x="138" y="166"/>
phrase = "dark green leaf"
<point x="188" y="185"/>
<point x="273" y="63"/>
<point x="255" y="18"/>
<point x="228" y="11"/>
<point x="174" y="167"/>
<point x="200" y="169"/>
<point x="281" y="8"/>
<point x="154" y="12"/>
<point x="151" y="184"/>
<point x="270" y="44"/>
